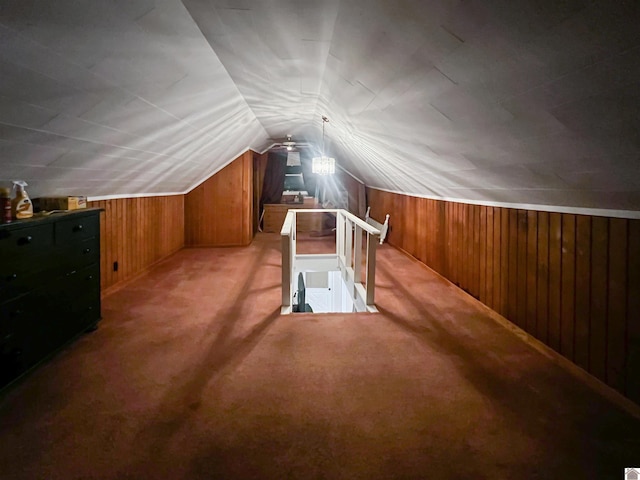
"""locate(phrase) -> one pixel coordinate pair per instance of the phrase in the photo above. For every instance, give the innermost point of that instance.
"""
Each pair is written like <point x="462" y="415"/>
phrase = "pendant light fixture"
<point x="323" y="165"/>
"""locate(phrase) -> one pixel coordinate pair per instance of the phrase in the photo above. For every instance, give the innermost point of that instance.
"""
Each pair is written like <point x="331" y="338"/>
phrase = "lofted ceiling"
<point x="508" y="101"/>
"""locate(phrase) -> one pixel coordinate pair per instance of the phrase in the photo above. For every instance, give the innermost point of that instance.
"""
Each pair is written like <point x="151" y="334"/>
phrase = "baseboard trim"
<point x="123" y="283"/>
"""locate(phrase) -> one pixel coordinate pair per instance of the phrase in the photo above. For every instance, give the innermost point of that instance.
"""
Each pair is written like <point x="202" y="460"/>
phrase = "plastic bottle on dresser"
<point x="5" y="205"/>
<point x="21" y="206"/>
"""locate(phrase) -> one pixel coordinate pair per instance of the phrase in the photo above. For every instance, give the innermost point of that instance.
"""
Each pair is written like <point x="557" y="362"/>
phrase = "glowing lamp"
<point x="323" y="165"/>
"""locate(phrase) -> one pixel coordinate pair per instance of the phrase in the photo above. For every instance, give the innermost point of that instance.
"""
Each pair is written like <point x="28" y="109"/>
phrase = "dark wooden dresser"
<point x="49" y="286"/>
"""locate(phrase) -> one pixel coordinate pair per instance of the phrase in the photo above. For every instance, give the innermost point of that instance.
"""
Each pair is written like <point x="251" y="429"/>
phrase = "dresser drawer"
<point x="22" y="337"/>
<point x="25" y="253"/>
<point x="10" y="315"/>
<point x="19" y="245"/>
<point x="80" y="254"/>
<point x="16" y="282"/>
<point x="77" y="283"/>
<point x="73" y="229"/>
<point x="66" y="300"/>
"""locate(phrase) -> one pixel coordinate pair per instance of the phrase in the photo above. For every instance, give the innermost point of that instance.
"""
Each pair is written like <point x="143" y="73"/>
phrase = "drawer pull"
<point x="90" y="277"/>
<point x="77" y="228"/>
<point x="25" y="240"/>
<point x="72" y="272"/>
<point x="87" y="250"/>
<point x="12" y="277"/>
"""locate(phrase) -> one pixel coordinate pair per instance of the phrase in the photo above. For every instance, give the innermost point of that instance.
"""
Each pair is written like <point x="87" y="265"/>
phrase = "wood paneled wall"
<point x="136" y="233"/>
<point x="219" y="211"/>
<point x="572" y="281"/>
<point x="259" y="170"/>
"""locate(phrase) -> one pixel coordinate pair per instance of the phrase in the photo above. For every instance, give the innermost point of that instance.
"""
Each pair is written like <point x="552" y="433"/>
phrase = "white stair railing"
<point x="348" y="255"/>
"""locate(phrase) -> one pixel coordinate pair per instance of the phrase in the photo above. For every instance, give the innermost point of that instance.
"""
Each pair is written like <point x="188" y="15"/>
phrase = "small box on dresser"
<point x="49" y="286"/>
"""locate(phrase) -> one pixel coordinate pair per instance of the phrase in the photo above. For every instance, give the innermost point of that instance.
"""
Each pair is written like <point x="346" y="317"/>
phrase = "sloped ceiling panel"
<point x="505" y="101"/>
<point x="276" y="52"/>
<point x="514" y="101"/>
<point x="119" y="97"/>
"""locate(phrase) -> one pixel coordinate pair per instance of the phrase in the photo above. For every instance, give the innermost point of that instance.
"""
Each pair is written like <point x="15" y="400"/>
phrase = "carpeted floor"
<point x="194" y="374"/>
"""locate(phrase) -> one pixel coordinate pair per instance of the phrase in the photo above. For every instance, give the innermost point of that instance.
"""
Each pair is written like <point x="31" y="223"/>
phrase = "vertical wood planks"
<point x="423" y="231"/>
<point x="617" y="304"/>
<point x="474" y="286"/>
<point x="512" y="286"/>
<point x="459" y="235"/>
<point x="504" y="263"/>
<point x="497" y="248"/>
<point x="567" y="294"/>
<point x="542" y="280"/>
<point x="218" y="212"/>
<point x="555" y="279"/>
<point x="411" y="227"/>
<point x="583" y="290"/>
<point x="521" y="288"/>
<point x="489" y="275"/>
<point x="632" y="387"/>
<point x="532" y="267"/>
<point x="482" y="267"/>
<point x="599" y="285"/>
<point x="137" y="232"/>
<point x="465" y="247"/>
<point x="573" y="281"/>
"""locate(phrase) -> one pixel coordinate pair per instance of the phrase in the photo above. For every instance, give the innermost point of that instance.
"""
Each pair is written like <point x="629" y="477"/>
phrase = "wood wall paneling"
<point x="583" y="290"/>
<point x="489" y="275"/>
<point x="555" y="280"/>
<point x="617" y="303"/>
<point x="474" y="256"/>
<point x="219" y="211"/>
<point x="521" y="275"/>
<point x="441" y="237"/>
<point x="136" y="233"/>
<point x="598" y="304"/>
<point x="410" y="234"/>
<point x="567" y="294"/>
<point x="532" y="270"/>
<point x="504" y="263"/>
<point x="497" y="273"/>
<point x="463" y="251"/>
<point x="482" y="268"/>
<point x="572" y="281"/>
<point x="542" y="279"/>
<point x="512" y="287"/>
<point x="632" y="387"/>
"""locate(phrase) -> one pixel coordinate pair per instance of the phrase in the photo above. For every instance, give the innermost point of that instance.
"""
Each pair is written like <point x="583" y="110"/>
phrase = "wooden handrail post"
<point x="372" y="244"/>
<point x="357" y="258"/>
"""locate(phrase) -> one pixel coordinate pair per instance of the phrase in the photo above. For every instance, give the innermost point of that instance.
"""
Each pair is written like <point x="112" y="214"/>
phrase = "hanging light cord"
<point x="324" y="120"/>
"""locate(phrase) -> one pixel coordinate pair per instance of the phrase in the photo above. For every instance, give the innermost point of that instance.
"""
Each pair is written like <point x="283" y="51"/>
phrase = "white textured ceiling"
<point x="513" y="101"/>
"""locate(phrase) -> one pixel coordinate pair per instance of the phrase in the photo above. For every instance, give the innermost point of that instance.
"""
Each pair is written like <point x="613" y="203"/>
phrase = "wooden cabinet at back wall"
<point x="571" y="281"/>
<point x="136" y="233"/>
<point x="219" y="212"/>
